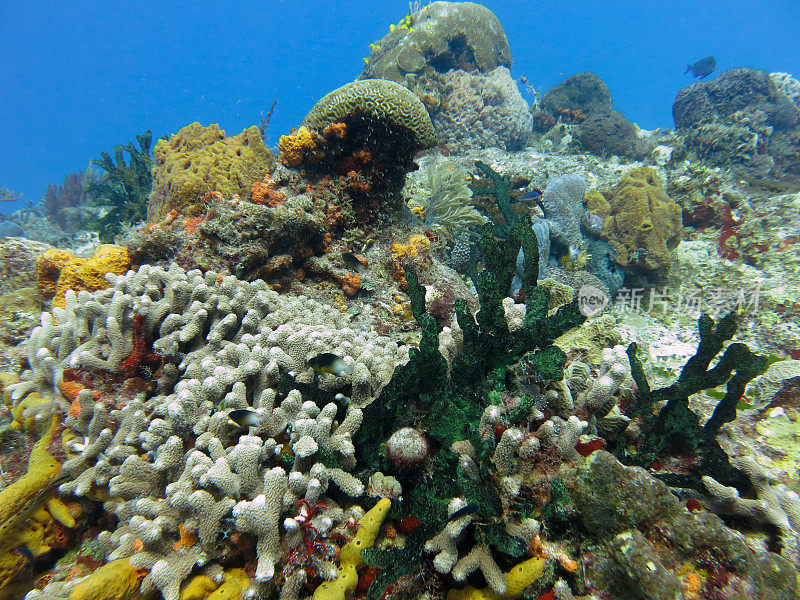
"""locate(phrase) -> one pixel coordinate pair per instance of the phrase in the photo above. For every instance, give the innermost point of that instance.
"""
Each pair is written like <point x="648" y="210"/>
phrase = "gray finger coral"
<point x="173" y="463"/>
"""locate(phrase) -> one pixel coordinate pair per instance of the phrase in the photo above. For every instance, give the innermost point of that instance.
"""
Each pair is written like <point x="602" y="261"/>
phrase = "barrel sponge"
<point x="198" y="160"/>
<point x="641" y="222"/>
<point x="443" y="36"/>
<point x="379" y="100"/>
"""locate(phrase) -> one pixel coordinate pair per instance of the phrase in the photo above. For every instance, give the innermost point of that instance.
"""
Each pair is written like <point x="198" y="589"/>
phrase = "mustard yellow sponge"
<point x="417" y="244"/>
<point x="22" y="520"/>
<point x="339" y="588"/>
<point x="113" y="581"/>
<point x="517" y="579"/>
<point x="75" y="273"/>
<point x="233" y="586"/>
<point x="198" y="160"/>
<point x="293" y="148"/>
<point x="198" y="588"/>
<point x="642" y="223"/>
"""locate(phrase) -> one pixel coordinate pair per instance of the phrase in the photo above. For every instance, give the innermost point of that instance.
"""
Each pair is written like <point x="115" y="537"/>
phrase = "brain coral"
<point x="442" y="36"/>
<point x="198" y="160"/>
<point x="375" y="100"/>
<point x="642" y="223"/>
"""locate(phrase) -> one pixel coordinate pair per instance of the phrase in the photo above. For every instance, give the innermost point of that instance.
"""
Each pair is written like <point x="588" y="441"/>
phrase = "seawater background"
<point x="79" y="76"/>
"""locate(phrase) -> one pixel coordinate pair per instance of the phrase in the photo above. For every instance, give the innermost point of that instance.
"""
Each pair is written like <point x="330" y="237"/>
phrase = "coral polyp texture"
<point x="204" y="347"/>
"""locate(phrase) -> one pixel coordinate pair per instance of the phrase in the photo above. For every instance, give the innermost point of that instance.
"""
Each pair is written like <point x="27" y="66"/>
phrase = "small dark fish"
<point x="702" y="68"/>
<point x="9" y="229"/>
<point x="354" y="262"/>
<point x="469" y="509"/>
<point x="533" y="194"/>
<point x="327" y="362"/>
<point x="245" y="417"/>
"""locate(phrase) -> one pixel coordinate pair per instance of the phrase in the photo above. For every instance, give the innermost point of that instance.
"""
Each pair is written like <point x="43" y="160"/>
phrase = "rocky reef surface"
<point x="428" y="347"/>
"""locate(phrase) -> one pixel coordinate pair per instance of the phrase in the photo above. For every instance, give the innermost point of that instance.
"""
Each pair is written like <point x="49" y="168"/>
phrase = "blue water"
<point x="78" y="77"/>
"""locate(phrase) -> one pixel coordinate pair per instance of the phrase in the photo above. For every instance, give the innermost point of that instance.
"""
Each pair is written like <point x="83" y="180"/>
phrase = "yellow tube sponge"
<point x="235" y="582"/>
<point x="368" y="527"/>
<point x="350" y="559"/>
<point x="198" y="588"/>
<point x="113" y="581"/>
<point x="23" y="522"/>
<point x="339" y="588"/>
<point x="517" y="579"/>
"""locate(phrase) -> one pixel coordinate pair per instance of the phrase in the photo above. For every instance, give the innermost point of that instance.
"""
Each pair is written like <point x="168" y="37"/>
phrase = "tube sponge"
<point x="350" y="558"/>
<point x="517" y="579"/>
<point x="113" y="581"/>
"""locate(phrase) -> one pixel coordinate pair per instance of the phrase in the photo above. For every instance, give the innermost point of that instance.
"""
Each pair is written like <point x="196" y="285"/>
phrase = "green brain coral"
<point x="198" y="160"/>
<point x="642" y="223"/>
<point x="442" y="36"/>
<point x="378" y="101"/>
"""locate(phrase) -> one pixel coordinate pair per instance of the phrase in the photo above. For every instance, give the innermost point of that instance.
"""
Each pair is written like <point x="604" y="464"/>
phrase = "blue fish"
<point x="9" y="229"/>
<point x="702" y="68"/>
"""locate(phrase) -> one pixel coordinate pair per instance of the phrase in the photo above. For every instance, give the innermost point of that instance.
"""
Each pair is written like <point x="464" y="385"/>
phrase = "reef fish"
<point x="327" y="362"/>
<point x="245" y="417"/>
<point x="9" y="229"/>
<point x="354" y="262"/>
<point x="702" y="68"/>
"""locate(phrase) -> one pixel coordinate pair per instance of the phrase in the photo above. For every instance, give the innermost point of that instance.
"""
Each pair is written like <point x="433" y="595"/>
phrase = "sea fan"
<point x="443" y="200"/>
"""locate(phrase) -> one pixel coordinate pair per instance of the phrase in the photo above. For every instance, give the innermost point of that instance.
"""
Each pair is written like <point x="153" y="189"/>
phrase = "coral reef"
<point x="736" y="90"/>
<point x="741" y="119"/>
<point x="442" y="199"/>
<point x="584" y="92"/>
<point x="440" y="37"/>
<point x="215" y="346"/>
<point x="476" y="110"/>
<point x="18" y="263"/>
<point x="67" y="204"/>
<point x="610" y="133"/>
<point x="123" y="189"/>
<point x="198" y="160"/>
<point x="60" y="271"/>
<point x="788" y="86"/>
<point x="642" y="223"/>
<point x="371" y="130"/>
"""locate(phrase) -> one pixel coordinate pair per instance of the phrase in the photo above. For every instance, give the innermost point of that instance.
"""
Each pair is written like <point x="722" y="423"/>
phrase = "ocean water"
<point x="459" y="332"/>
<point x="80" y="77"/>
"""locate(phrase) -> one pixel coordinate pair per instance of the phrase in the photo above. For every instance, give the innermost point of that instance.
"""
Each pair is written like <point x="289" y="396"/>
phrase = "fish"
<point x="10" y="229"/>
<point x="327" y="362"/>
<point x="702" y="68"/>
<point x="246" y="417"/>
<point x="354" y="262"/>
<point x="533" y="194"/>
